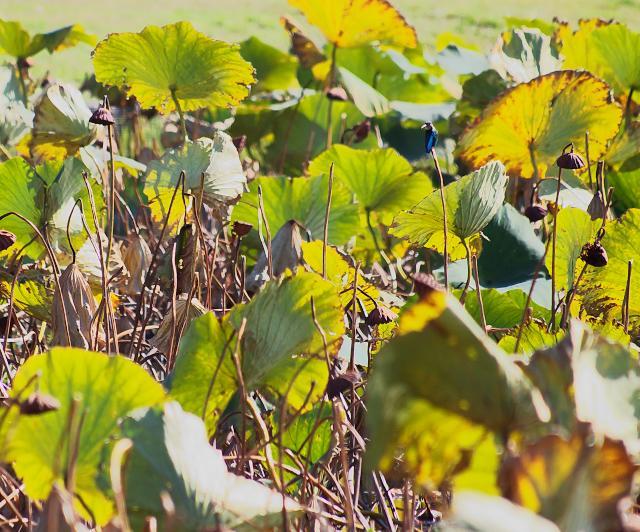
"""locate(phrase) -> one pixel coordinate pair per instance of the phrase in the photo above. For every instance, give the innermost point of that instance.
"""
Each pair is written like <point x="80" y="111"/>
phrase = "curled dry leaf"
<point x="73" y="298"/>
<point x="186" y="311"/>
<point x="189" y="251"/>
<point x="38" y="403"/>
<point x="137" y="259"/>
<point x="286" y="254"/>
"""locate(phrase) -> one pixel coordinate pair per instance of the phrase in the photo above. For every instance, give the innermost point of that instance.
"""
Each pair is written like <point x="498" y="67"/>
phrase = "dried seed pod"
<point x="186" y="311"/>
<point x="337" y="94"/>
<point x="25" y="63"/>
<point x="570" y="161"/>
<point x="188" y="251"/>
<point x="535" y="212"/>
<point x="597" y="208"/>
<point x="342" y="382"/>
<point x="7" y="239"/>
<point x="286" y="254"/>
<point x="425" y="283"/>
<point x="102" y="115"/>
<point x="594" y="254"/>
<point x="38" y="403"/>
<point x="137" y="259"/>
<point x="240" y="142"/>
<point x="241" y="229"/>
<point x="381" y="314"/>
<point x="79" y="308"/>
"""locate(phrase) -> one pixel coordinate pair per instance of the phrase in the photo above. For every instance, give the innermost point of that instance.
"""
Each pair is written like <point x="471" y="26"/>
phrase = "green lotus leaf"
<point x="441" y="363"/>
<point x="606" y="385"/>
<point x="280" y="326"/>
<point x="61" y="124"/>
<point x="610" y="51"/>
<point x="275" y="70"/>
<point x="30" y="293"/>
<point x="367" y="99"/>
<point x="478" y="512"/>
<point x="626" y="188"/>
<point x="15" y="118"/>
<point x="171" y="454"/>
<point x="575" y="229"/>
<point x="17" y="42"/>
<point x="309" y="435"/>
<point x="286" y="136"/>
<point x="217" y="159"/>
<point x="512" y="250"/>
<point x="281" y="349"/>
<point x="534" y="337"/>
<point x="46" y="196"/>
<point x="381" y="179"/>
<point x="104" y="389"/>
<point x="503" y="310"/>
<point x="22" y="194"/>
<point x="63" y="38"/>
<point x="472" y="202"/>
<point x="603" y="289"/>
<point x="303" y="200"/>
<point x="405" y="77"/>
<point x="526" y="53"/>
<point x="204" y="377"/>
<point x="174" y="63"/>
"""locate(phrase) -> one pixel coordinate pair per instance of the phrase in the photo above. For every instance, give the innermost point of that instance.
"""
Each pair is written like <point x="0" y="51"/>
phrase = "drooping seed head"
<point x="570" y="160"/>
<point x="38" y="403"/>
<point x="535" y="212"/>
<point x="381" y="314"/>
<point x="425" y="283"/>
<point x="7" y="239"/>
<point x="337" y="94"/>
<point x="594" y="254"/>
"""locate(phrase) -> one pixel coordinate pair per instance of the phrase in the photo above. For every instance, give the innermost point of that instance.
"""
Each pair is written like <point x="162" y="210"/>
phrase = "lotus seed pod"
<point x="186" y="312"/>
<point x="286" y="254"/>
<point x="597" y="208"/>
<point x="188" y="258"/>
<point x="241" y="229"/>
<point x="79" y="307"/>
<point x="570" y="161"/>
<point x="240" y="142"/>
<point x="137" y="259"/>
<point x="342" y="382"/>
<point x="361" y="130"/>
<point x="102" y="115"/>
<point x="594" y="254"/>
<point x="38" y="403"/>
<point x="535" y="213"/>
<point x="7" y="239"/>
<point x="381" y="314"/>
<point x="425" y="283"/>
<point x="337" y="94"/>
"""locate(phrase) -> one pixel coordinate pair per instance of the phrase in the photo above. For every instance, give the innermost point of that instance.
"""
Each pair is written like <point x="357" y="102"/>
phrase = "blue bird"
<point x="430" y="137"/>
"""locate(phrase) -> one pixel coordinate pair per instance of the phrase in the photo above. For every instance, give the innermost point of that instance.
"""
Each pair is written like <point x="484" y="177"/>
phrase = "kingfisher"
<point x="430" y="137"/>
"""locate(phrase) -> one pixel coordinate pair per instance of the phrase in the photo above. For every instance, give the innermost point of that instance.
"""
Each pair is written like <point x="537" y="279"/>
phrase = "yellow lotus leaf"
<point x="527" y="126"/>
<point x="350" y="23"/>
<point x="610" y="51"/>
<point x="573" y="482"/>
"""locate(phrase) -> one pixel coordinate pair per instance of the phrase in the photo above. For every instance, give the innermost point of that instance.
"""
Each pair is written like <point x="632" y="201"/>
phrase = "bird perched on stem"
<point x="430" y="137"/>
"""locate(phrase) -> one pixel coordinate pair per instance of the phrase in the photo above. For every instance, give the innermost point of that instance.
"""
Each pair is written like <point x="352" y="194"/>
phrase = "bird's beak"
<point x="424" y="126"/>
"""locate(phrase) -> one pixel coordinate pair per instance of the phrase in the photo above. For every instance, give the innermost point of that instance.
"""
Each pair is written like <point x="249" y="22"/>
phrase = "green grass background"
<point x="478" y="21"/>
